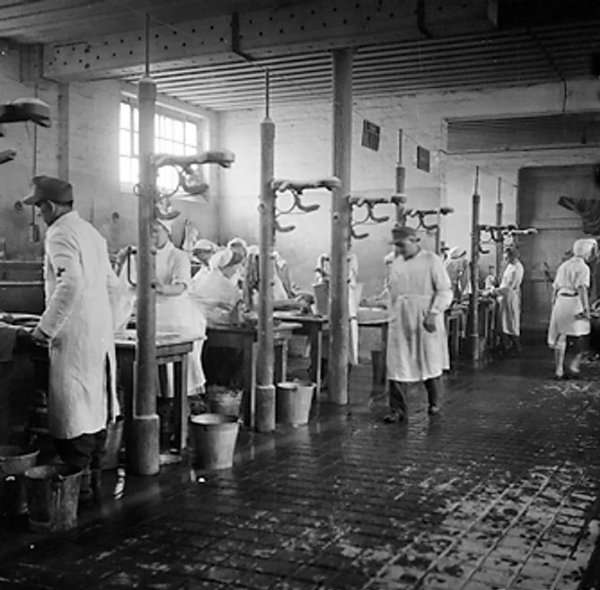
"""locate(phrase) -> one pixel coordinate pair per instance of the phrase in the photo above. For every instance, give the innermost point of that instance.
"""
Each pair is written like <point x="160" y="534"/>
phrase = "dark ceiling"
<point x="533" y="41"/>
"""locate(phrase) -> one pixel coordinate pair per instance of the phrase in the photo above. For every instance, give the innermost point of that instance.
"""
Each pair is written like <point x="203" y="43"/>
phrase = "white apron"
<point x="215" y="295"/>
<point x="510" y="298"/>
<point x="78" y="318"/>
<point x="417" y="286"/>
<point x="571" y="275"/>
<point x="178" y="314"/>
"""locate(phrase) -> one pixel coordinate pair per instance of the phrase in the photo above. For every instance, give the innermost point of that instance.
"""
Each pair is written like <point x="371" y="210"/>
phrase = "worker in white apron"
<point x="570" y="318"/>
<point x="509" y="299"/>
<point x="419" y="293"/>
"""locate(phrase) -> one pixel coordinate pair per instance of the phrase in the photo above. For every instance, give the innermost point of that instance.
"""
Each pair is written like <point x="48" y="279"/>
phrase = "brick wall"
<point x="16" y="175"/>
<point x="303" y="150"/>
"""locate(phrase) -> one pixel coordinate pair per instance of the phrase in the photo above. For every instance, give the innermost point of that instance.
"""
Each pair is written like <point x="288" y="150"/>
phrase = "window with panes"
<point x="172" y="135"/>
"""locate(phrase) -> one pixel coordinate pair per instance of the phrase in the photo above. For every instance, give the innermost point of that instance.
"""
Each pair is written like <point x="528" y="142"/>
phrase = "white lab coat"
<point x="416" y="286"/>
<point x="570" y="276"/>
<point x="510" y="298"/>
<point x="178" y="314"/>
<point x="78" y="318"/>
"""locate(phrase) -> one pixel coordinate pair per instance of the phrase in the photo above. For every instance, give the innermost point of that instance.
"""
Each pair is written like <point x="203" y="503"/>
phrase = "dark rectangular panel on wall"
<point x="523" y="133"/>
<point x="539" y="190"/>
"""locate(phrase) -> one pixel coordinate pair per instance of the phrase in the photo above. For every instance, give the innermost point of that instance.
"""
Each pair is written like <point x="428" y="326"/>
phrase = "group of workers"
<point x="78" y="322"/>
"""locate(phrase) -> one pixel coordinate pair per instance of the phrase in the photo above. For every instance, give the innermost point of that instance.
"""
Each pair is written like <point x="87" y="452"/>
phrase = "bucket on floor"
<point x="52" y="497"/>
<point x="214" y="437"/>
<point x="378" y="366"/>
<point x="14" y="461"/>
<point x="114" y="439"/>
<point x="293" y="401"/>
<point x="224" y="400"/>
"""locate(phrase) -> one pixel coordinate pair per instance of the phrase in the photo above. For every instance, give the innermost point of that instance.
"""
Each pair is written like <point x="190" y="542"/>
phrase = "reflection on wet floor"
<point x="492" y="493"/>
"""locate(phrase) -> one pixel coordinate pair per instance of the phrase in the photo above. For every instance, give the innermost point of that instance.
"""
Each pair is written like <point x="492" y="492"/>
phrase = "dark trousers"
<point x="82" y="451"/>
<point x="399" y="389"/>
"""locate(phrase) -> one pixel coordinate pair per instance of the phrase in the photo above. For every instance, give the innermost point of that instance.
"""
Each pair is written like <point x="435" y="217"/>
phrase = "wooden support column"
<point x="143" y="454"/>
<point x="499" y="243"/>
<point x="265" y="390"/>
<point x="340" y="228"/>
<point x="474" y="300"/>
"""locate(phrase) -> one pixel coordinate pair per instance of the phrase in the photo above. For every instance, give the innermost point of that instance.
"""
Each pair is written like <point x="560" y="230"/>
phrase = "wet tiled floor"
<point x="491" y="494"/>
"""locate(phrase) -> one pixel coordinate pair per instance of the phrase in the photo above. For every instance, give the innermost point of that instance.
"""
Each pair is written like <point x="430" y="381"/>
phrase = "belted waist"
<point x="566" y="294"/>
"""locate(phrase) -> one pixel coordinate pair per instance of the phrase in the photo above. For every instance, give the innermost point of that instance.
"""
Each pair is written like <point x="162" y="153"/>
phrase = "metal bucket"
<point x="214" y="437"/>
<point x="293" y="402"/>
<point x="14" y="461"/>
<point x="52" y="497"/>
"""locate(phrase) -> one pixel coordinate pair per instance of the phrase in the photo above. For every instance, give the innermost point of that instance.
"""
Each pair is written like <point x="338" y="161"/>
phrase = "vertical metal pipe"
<point x="400" y="183"/>
<point x="339" y="334"/>
<point x="500" y="243"/>
<point x="265" y="391"/>
<point x="474" y="300"/>
<point x="144" y="456"/>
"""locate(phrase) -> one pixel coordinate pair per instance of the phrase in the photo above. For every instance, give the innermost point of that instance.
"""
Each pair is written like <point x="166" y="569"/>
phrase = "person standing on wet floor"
<point x="570" y="316"/>
<point x="509" y="294"/>
<point x="420" y="291"/>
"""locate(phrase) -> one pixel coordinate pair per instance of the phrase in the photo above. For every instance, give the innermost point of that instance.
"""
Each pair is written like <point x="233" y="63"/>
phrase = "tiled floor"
<point x="490" y="494"/>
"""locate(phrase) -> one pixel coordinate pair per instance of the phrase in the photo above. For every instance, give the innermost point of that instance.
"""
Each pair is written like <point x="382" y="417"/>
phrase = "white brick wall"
<point x="303" y="150"/>
<point x="16" y="175"/>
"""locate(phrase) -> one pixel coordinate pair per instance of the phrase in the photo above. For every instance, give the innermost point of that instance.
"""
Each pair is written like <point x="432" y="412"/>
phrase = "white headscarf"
<point x="585" y="248"/>
<point x="456" y="252"/>
<point x="204" y="245"/>
<point x="221" y="258"/>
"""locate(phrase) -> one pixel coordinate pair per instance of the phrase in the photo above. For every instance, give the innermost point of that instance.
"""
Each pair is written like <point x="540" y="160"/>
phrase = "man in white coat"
<point x="77" y="327"/>
<point x="419" y="293"/>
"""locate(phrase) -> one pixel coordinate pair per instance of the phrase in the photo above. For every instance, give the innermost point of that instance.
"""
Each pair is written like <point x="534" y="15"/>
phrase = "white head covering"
<point x="224" y="258"/>
<point x="205" y="245"/>
<point x="237" y="242"/>
<point x="585" y="247"/>
<point x="456" y="252"/>
<point x="221" y="259"/>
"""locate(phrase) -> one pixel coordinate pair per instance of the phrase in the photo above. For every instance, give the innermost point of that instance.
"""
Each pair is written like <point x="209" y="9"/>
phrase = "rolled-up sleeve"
<point x="182" y="269"/>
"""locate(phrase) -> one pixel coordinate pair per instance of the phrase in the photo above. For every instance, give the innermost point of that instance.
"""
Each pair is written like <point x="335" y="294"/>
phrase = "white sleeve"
<point x="63" y="258"/>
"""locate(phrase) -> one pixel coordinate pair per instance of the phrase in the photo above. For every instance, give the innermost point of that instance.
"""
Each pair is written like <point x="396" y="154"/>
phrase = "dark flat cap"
<point x="48" y="188"/>
<point x="402" y="233"/>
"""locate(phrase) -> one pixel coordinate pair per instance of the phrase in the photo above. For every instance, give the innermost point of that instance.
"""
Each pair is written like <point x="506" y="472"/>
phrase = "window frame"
<point x="166" y="113"/>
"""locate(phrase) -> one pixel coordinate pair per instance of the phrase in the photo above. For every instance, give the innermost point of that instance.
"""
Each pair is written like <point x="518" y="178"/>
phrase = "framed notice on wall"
<point x="370" y="135"/>
<point x="423" y="159"/>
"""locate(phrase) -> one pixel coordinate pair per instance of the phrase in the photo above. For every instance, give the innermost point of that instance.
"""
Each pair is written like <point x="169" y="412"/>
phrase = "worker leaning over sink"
<point x="77" y="326"/>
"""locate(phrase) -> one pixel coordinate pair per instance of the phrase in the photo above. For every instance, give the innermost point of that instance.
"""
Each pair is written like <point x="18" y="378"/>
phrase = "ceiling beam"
<point x="306" y="27"/>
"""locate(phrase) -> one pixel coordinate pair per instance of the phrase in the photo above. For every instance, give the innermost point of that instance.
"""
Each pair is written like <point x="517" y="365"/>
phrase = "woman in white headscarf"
<point x="175" y="311"/>
<point x="214" y="290"/>
<point x="570" y="306"/>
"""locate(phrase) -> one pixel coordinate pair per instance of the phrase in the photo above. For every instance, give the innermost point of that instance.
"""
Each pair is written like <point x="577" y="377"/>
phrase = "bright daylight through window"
<point x="173" y="135"/>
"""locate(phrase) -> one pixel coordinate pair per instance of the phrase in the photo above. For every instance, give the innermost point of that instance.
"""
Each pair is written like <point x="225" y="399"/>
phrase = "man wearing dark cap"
<point x="77" y="327"/>
<point x="419" y="291"/>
